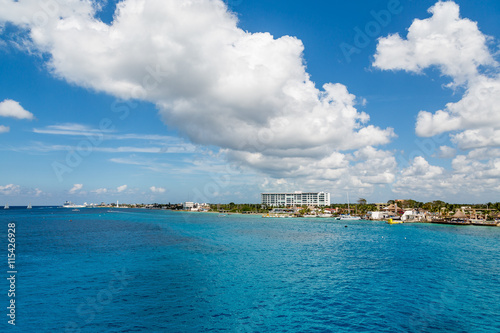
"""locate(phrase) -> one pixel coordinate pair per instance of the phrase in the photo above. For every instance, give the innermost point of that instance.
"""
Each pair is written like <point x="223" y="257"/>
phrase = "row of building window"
<point x="312" y="198"/>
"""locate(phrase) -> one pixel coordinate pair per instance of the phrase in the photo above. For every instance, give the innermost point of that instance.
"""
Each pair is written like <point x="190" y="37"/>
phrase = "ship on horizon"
<point x="69" y="204"/>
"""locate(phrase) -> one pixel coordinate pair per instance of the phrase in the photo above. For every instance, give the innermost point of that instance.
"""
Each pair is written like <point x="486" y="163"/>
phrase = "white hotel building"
<point x="296" y="198"/>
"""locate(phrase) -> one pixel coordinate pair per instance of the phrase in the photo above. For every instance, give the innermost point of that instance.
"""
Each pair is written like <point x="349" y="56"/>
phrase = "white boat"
<point x="348" y="217"/>
<point x="6" y="206"/>
<point x="29" y="206"/>
<point x="69" y="204"/>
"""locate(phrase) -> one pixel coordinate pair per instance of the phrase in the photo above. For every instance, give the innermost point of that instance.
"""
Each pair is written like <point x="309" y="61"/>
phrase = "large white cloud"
<point x="474" y="175"/>
<point x="445" y="40"/>
<point x="460" y="50"/>
<point x="248" y="93"/>
<point x="478" y="111"/>
<point x="363" y="170"/>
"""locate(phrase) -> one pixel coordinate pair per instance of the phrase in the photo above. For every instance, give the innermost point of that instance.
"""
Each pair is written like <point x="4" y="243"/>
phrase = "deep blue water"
<point x="159" y="271"/>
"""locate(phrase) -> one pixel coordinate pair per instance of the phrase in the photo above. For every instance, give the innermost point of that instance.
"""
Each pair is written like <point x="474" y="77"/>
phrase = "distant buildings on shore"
<point x="195" y="207"/>
<point x="296" y="198"/>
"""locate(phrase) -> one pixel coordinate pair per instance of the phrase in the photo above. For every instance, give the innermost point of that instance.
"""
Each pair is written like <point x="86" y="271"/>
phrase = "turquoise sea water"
<point x="157" y="271"/>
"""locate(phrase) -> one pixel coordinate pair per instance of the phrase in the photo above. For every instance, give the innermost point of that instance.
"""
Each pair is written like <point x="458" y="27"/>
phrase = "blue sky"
<point x="170" y="101"/>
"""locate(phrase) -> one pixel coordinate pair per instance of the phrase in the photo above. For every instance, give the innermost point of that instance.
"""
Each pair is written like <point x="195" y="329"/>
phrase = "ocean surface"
<point x="131" y="270"/>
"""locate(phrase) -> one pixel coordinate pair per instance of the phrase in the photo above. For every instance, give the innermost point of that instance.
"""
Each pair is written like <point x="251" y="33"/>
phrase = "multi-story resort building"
<point x="296" y="198"/>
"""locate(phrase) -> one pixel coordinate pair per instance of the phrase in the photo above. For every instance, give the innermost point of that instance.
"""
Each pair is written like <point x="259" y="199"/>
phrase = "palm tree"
<point x="362" y="201"/>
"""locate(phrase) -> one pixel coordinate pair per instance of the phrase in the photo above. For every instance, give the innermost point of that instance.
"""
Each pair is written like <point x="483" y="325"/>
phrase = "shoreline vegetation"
<point x="393" y="212"/>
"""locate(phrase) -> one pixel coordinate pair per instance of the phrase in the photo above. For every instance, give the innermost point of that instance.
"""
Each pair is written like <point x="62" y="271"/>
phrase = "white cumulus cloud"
<point x="453" y="44"/>
<point x="446" y="152"/>
<point x="11" y="108"/>
<point x="421" y="178"/>
<point x="457" y="47"/>
<point x="4" y="129"/>
<point x="474" y="175"/>
<point x="247" y="93"/>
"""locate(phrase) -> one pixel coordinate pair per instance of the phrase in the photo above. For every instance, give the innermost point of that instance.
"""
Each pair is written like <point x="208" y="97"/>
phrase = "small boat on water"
<point x="392" y="221"/>
<point x="348" y="217"/>
<point x="6" y="206"/>
<point x="29" y="206"/>
<point x="485" y="223"/>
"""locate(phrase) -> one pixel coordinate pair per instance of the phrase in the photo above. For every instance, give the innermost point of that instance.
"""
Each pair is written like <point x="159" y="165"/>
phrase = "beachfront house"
<point x="378" y="215"/>
<point x="412" y="215"/>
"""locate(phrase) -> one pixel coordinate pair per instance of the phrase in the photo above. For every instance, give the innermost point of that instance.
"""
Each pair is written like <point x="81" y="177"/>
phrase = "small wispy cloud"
<point x="155" y="143"/>
<point x="148" y="150"/>
<point x="121" y="188"/>
<point x="76" y="188"/>
<point x="129" y="161"/>
<point x="100" y="191"/>
<point x="75" y="129"/>
<point x="155" y="189"/>
<point x="4" y="129"/>
<point x="16" y="190"/>
<point x="71" y="129"/>
<point x="104" y="190"/>
<point x="9" y="189"/>
<point x="146" y="163"/>
<point x="40" y="147"/>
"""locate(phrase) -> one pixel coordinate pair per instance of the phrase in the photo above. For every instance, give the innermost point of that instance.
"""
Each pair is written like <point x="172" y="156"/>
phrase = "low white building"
<point x="187" y="205"/>
<point x="196" y="207"/>
<point x="412" y="215"/>
<point x="378" y="215"/>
